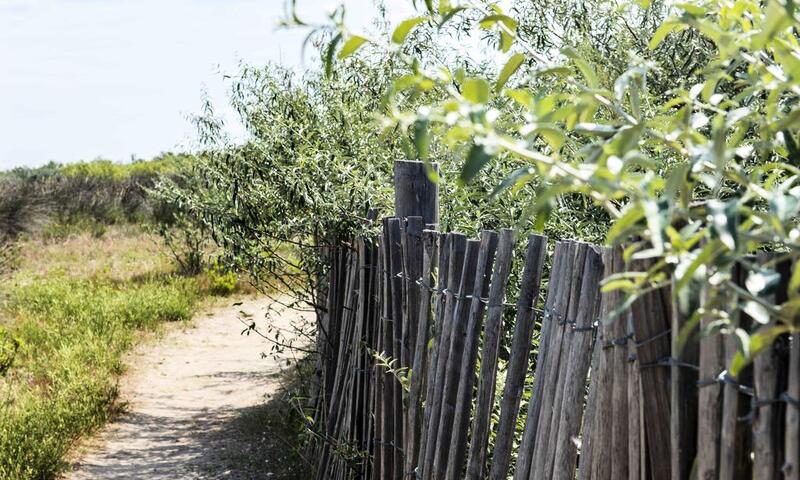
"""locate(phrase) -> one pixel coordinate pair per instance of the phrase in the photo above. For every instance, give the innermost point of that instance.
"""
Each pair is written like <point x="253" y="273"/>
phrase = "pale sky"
<point x="81" y="79"/>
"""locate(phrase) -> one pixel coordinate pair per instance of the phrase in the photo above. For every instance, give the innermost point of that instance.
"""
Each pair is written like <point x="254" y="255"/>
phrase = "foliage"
<point x="222" y="280"/>
<point x="66" y="199"/>
<point x="313" y="165"/>
<point x="67" y="320"/>
<point x="294" y="181"/>
<point x="693" y="157"/>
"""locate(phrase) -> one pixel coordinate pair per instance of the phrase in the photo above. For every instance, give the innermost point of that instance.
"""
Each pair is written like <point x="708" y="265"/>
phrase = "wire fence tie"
<point x="618" y="342"/>
<point x="670" y="362"/>
<point x="653" y="338"/>
<point x="586" y="328"/>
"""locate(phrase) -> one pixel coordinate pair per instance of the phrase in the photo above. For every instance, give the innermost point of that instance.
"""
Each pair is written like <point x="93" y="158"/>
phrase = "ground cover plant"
<point x="69" y="312"/>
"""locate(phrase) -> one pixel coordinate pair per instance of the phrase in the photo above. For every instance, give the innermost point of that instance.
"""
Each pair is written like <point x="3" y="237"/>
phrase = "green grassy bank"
<point x="68" y="313"/>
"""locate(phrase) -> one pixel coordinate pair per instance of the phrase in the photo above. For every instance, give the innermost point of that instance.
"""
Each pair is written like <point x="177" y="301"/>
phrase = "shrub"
<point x="222" y="280"/>
<point x="67" y="198"/>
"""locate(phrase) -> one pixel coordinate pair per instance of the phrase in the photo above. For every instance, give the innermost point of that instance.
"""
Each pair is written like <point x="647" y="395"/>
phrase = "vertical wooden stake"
<point x="420" y="367"/>
<point x="415" y="195"/>
<point x="387" y="393"/>
<point x="556" y="282"/>
<point x="469" y="359"/>
<point x="684" y="393"/>
<point x="709" y="416"/>
<point x="491" y="348"/>
<point x="396" y="284"/>
<point x="520" y="351"/>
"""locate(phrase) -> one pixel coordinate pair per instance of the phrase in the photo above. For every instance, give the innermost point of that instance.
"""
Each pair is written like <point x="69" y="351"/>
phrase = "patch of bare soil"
<point x="202" y="403"/>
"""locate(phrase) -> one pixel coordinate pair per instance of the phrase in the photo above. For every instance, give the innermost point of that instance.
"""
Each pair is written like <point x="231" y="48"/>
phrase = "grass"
<point x="69" y="312"/>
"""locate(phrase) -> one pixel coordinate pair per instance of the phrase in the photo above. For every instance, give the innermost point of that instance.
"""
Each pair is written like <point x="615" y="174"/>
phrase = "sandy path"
<point x="190" y="400"/>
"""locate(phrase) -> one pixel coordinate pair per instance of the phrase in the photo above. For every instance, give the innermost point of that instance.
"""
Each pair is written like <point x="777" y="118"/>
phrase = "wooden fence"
<point x="410" y="349"/>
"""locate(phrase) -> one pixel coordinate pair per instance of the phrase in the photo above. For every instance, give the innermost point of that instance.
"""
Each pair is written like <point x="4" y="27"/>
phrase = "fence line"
<point x="410" y="363"/>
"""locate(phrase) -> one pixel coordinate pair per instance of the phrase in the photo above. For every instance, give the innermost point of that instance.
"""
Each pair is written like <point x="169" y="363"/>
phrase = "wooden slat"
<point x="377" y="372"/>
<point x="443" y="268"/>
<point x="598" y="461"/>
<point x="358" y="406"/>
<point x="452" y="369"/>
<point x="621" y="370"/>
<point x="491" y="347"/>
<point x="573" y="261"/>
<point x="580" y="354"/>
<point x="387" y="427"/>
<point x="769" y="378"/>
<point x="792" y="436"/>
<point x="588" y="435"/>
<point x="651" y="315"/>
<point x="456" y="263"/>
<point x="709" y="416"/>
<point x="420" y="366"/>
<point x="412" y="271"/>
<point x="463" y="398"/>
<point x="395" y="251"/>
<point x="636" y="436"/>
<point x="520" y="352"/>
<point x="412" y="253"/>
<point x="765" y="441"/>
<point x="684" y="392"/>
<point x="564" y="366"/>
<point x="525" y="452"/>
<point x="372" y="345"/>
<point x="734" y="449"/>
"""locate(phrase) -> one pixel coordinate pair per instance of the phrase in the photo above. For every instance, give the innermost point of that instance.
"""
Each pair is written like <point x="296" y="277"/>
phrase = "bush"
<point x="222" y="280"/>
<point x="68" y="198"/>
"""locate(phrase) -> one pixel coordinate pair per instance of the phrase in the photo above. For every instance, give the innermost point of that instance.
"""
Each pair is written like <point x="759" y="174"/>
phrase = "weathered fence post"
<point x="415" y="195"/>
<point x="520" y="350"/>
<point x="416" y="206"/>
<point x="419" y="371"/>
<point x="465" y="382"/>
<point x="491" y="348"/>
<point x="683" y="392"/>
<point x="526" y="449"/>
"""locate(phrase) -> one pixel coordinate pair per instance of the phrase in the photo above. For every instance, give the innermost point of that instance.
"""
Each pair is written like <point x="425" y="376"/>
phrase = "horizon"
<point x="117" y="80"/>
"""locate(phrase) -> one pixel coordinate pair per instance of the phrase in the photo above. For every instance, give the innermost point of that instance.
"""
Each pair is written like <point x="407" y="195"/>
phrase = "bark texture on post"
<point x="415" y="195"/>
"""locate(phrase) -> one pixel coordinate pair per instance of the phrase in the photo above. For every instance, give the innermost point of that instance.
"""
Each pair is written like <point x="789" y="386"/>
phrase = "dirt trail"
<point x="195" y="406"/>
